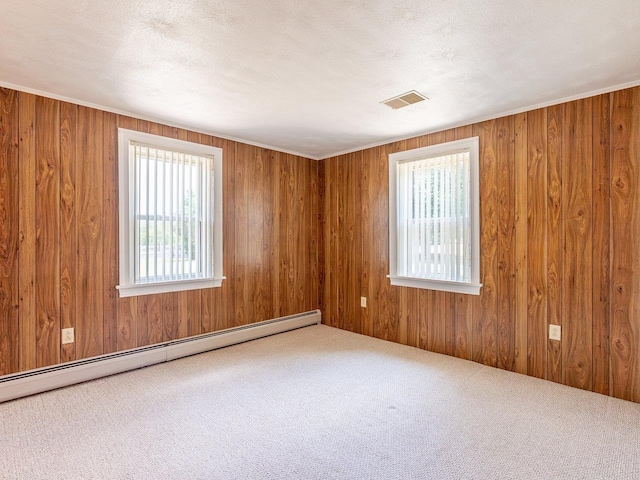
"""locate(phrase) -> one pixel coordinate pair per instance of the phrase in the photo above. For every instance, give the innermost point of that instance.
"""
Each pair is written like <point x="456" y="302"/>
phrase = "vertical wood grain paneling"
<point x="68" y="224"/>
<point x="9" y="227"/>
<point x="283" y="233"/>
<point x="601" y="241"/>
<point x="300" y="283"/>
<point x="350" y="248"/>
<point x="243" y="255"/>
<point x="47" y="232"/>
<point x="330" y="228"/>
<point x="521" y="295"/>
<point x="27" y="234"/>
<point x="291" y="232"/>
<point x="269" y="206"/>
<point x="321" y="235"/>
<point x="625" y="251"/>
<point x="577" y="193"/>
<point x="149" y="315"/>
<point x="110" y="224"/>
<point x="556" y="237"/>
<point x="256" y="214"/>
<point x="485" y="326"/>
<point x="127" y="323"/>
<point x="59" y="242"/>
<point x="226" y="309"/>
<point x="89" y="205"/>
<point x="537" y="243"/>
<point x="505" y="162"/>
<point x="559" y="229"/>
<point x="313" y="202"/>
<point x="275" y="254"/>
<point x="559" y="232"/>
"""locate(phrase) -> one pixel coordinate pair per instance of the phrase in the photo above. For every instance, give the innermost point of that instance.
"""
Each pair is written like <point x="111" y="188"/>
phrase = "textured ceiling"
<point x="308" y="77"/>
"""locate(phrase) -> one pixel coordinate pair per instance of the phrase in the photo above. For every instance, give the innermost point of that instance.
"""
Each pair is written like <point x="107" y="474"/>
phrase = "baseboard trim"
<point x="48" y="378"/>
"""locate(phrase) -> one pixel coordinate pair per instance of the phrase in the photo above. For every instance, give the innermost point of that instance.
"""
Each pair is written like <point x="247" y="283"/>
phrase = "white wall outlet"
<point x="554" y="332"/>
<point x="67" y="335"/>
<point x="363" y="302"/>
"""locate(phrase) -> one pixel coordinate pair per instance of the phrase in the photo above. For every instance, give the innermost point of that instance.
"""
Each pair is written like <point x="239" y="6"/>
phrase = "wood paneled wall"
<point x="59" y="238"/>
<point x="560" y="230"/>
<point x="560" y="243"/>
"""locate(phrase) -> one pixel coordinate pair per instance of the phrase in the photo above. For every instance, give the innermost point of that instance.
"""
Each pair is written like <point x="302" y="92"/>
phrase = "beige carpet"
<point x="319" y="403"/>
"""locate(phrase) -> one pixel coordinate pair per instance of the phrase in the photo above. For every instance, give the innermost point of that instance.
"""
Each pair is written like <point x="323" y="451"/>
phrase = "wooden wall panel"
<point x="47" y="233"/>
<point x="520" y="243"/>
<point x="601" y="242"/>
<point x="330" y="242"/>
<point x="537" y="243"/>
<point x="68" y="225"/>
<point x="110" y="224"/>
<point x="485" y="325"/>
<point x="577" y="191"/>
<point x="89" y="203"/>
<point x="298" y="280"/>
<point x="384" y="297"/>
<point x="59" y="238"/>
<point x="243" y="292"/>
<point x="312" y="296"/>
<point x="27" y="234"/>
<point x="555" y="238"/>
<point x="9" y="226"/>
<point x="625" y="249"/>
<point x="559" y="229"/>
<point x="505" y="162"/>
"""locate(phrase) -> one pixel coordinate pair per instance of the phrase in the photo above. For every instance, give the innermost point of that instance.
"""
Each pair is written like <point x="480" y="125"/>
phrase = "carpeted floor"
<point x="319" y="403"/>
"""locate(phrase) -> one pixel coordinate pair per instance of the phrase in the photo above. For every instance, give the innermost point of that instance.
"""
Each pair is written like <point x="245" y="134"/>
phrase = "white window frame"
<point x="126" y="173"/>
<point x="399" y="279"/>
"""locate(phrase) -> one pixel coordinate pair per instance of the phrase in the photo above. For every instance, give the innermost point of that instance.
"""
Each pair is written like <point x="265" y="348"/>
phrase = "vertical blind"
<point x="173" y="215"/>
<point x="434" y="222"/>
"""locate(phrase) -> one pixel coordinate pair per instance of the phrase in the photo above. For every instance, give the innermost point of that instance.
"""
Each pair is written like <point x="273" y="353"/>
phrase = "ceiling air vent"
<point x="404" y="100"/>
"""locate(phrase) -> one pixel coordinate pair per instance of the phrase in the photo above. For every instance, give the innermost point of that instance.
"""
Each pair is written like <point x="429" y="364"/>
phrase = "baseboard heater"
<point x="48" y="378"/>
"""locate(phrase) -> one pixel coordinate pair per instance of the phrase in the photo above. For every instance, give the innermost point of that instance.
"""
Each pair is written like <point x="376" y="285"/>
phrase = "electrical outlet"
<point x="67" y="335"/>
<point x="554" y="332"/>
<point x="363" y="302"/>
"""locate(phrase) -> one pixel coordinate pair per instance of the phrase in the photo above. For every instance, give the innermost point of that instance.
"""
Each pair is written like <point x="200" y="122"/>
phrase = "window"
<point x="434" y="227"/>
<point x="170" y="214"/>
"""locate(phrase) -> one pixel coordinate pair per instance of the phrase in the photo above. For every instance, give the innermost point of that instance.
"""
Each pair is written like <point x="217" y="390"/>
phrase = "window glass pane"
<point x="437" y="221"/>
<point x="172" y="212"/>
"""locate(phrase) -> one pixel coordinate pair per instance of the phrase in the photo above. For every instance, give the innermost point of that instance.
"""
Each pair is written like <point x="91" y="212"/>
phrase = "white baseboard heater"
<point x="48" y="378"/>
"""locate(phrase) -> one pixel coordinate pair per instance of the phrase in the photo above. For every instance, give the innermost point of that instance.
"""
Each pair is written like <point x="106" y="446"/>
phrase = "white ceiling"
<point x="307" y="77"/>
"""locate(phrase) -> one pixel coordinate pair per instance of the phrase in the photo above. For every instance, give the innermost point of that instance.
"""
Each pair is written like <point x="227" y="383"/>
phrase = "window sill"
<point x="441" y="285"/>
<point x="167" y="287"/>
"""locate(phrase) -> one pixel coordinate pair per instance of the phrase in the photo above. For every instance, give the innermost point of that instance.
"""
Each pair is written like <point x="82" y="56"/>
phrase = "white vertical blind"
<point x="173" y="231"/>
<point x="434" y="222"/>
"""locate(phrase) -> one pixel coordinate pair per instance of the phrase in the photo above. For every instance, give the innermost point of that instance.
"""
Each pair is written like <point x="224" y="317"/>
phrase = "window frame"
<point x="468" y="144"/>
<point x="126" y="211"/>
